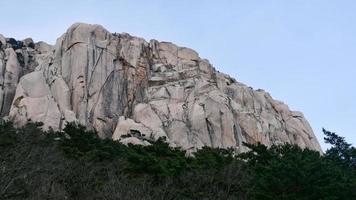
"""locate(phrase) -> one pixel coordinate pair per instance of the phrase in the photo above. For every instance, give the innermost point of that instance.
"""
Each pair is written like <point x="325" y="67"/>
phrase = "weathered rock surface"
<point x="131" y="90"/>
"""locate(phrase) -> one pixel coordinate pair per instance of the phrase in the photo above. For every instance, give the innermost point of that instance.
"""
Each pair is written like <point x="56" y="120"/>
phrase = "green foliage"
<point x="77" y="164"/>
<point x="341" y="151"/>
<point x="79" y="143"/>
<point x="158" y="159"/>
<point x="7" y="133"/>
<point x="289" y="172"/>
<point x="213" y="158"/>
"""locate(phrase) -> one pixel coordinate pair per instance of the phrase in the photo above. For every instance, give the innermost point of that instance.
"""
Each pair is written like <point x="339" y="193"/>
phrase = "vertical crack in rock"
<point x="237" y="135"/>
<point x="107" y="80"/>
<point x="86" y="86"/>
<point x="222" y="128"/>
<point x="211" y="132"/>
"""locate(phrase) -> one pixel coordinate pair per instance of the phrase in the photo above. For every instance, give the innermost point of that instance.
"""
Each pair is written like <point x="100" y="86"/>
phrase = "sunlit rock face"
<point x="129" y="89"/>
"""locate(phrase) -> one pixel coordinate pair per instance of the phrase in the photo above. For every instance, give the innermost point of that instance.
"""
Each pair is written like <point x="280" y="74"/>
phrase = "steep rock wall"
<point x="129" y="89"/>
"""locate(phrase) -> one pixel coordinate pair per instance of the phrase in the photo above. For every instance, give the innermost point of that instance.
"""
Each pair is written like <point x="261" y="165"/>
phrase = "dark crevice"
<point x="236" y="136"/>
<point x="221" y="127"/>
<point x="210" y="131"/>
<point x="101" y="119"/>
<point x="75" y="43"/>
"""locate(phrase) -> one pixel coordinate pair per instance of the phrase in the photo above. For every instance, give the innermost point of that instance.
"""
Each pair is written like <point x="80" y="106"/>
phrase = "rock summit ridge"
<point x="130" y="90"/>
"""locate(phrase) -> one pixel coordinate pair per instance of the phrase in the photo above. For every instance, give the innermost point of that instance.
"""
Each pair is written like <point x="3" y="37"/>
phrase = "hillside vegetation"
<point x="77" y="164"/>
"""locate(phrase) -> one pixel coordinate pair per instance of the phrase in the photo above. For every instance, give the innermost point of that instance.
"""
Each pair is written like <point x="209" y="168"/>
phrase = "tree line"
<point x="77" y="164"/>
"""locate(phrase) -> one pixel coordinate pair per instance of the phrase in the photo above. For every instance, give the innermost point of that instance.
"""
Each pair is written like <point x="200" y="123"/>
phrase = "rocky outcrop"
<point x="132" y="90"/>
<point x="16" y="59"/>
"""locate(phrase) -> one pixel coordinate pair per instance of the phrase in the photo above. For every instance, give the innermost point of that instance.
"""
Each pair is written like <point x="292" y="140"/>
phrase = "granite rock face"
<point x="131" y="90"/>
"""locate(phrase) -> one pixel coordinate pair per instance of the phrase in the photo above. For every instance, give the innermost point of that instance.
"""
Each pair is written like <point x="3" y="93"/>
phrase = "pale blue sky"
<point x="301" y="51"/>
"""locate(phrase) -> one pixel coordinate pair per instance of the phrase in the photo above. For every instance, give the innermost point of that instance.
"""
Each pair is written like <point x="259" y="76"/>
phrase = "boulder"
<point x="128" y="127"/>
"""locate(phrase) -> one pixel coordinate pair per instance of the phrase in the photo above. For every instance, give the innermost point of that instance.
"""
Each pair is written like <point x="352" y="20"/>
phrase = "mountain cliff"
<point x="130" y="90"/>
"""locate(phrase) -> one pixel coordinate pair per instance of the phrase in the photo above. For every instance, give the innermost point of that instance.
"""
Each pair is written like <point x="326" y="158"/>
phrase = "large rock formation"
<point x="129" y="89"/>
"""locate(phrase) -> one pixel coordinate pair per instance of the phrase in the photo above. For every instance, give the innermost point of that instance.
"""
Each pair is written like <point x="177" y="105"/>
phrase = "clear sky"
<point x="302" y="52"/>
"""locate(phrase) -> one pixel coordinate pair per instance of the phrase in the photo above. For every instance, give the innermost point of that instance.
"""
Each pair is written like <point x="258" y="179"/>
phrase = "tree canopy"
<point x="77" y="164"/>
